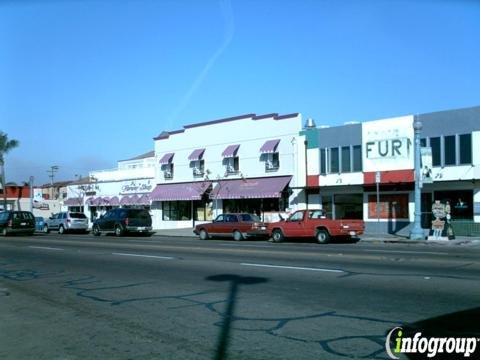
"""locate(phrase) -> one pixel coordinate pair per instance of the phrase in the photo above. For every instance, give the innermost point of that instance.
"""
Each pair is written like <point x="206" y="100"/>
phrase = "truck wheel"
<point x="277" y="235"/>
<point x="237" y="235"/>
<point x="96" y="230"/>
<point x="323" y="237"/>
<point x="203" y="234"/>
<point x="118" y="231"/>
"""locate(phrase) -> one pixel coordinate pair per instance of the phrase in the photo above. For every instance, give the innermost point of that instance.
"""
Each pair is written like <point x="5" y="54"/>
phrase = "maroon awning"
<point x="182" y="191"/>
<point x="196" y="154"/>
<point x="230" y="151"/>
<point x="270" y="146"/>
<point x="167" y="158"/>
<point x="78" y="201"/>
<point x="257" y="188"/>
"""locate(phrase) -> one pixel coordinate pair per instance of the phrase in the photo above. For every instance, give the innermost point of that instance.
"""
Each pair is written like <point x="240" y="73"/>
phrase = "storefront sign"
<point x="388" y="144"/>
<point x="136" y="187"/>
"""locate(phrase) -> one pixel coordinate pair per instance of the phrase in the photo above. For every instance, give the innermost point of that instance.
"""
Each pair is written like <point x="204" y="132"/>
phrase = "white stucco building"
<point x="245" y="163"/>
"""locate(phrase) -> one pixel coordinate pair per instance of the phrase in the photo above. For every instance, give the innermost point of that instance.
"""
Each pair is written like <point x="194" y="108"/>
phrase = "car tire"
<point x="322" y="236"/>
<point x="4" y="232"/>
<point x="237" y="235"/>
<point x="118" y="230"/>
<point x="96" y="230"/>
<point x="203" y="234"/>
<point x="46" y="230"/>
<point x="277" y="236"/>
<point x="61" y="230"/>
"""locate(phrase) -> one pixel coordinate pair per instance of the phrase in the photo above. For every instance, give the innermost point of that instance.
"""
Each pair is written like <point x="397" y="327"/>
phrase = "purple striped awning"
<point x="90" y="201"/>
<point x="196" y="154"/>
<point x="114" y="201"/>
<point x="144" y="200"/>
<point x="134" y="199"/>
<point x="125" y="200"/>
<point x="257" y="188"/>
<point x="270" y="146"/>
<point x="182" y="191"/>
<point x="78" y="201"/>
<point x="167" y="158"/>
<point x="230" y="151"/>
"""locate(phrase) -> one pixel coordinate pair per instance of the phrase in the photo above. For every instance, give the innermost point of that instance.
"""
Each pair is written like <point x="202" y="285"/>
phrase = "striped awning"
<point x="196" y="155"/>
<point x="167" y="158"/>
<point x="257" y="188"/>
<point x="270" y="146"/>
<point x="181" y="191"/>
<point x="230" y="151"/>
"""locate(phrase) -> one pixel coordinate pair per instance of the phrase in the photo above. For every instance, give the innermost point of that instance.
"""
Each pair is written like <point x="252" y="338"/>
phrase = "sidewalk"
<point x="372" y="238"/>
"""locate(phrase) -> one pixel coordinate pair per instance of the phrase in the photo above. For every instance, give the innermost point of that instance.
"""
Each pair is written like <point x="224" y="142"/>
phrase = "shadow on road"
<point x="235" y="281"/>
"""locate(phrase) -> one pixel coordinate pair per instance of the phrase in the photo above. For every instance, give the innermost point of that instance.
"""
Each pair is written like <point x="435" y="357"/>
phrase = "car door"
<point x="231" y="224"/>
<point x="217" y="226"/>
<point x="107" y="221"/>
<point x="294" y="225"/>
<point x="53" y="224"/>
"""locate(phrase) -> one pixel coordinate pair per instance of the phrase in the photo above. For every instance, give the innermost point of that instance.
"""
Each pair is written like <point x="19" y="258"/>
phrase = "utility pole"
<point x="416" y="232"/>
<point x="51" y="174"/>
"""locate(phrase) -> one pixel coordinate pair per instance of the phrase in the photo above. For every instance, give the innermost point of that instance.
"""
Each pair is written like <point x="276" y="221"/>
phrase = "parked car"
<point x="66" y="222"/>
<point x="17" y="222"/>
<point x="314" y="224"/>
<point x="238" y="226"/>
<point x="39" y="223"/>
<point x="123" y="221"/>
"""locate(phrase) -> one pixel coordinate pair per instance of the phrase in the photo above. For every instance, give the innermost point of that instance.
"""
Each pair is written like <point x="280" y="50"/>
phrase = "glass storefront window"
<point x="391" y="206"/>
<point x="349" y="206"/>
<point x="182" y="210"/>
<point x="323" y="163"/>
<point x="461" y="203"/>
<point x="327" y="206"/>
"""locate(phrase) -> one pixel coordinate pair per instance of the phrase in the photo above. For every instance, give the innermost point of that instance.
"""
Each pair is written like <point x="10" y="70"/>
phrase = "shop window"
<point x="349" y="206"/>
<point x="346" y="159"/>
<point x="465" y="148"/>
<point x="272" y="162"/>
<point x="168" y="171"/>
<point x="323" y="162"/>
<point x="334" y="161"/>
<point x="460" y="201"/>
<point x="449" y="150"/>
<point x="327" y="206"/>
<point x="391" y="206"/>
<point x="423" y="142"/>
<point x="436" y="151"/>
<point x="232" y="165"/>
<point x="357" y="158"/>
<point x="182" y="210"/>
<point x="198" y="168"/>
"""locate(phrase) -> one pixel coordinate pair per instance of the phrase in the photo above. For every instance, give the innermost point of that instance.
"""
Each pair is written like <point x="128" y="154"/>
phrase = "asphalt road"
<point x="82" y="297"/>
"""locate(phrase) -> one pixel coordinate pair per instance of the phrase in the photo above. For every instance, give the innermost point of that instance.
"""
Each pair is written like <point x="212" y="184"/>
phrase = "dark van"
<point x="123" y="221"/>
<point x="17" y="222"/>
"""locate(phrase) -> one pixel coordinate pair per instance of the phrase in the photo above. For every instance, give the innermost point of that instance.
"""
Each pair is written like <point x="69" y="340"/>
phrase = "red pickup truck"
<point x="313" y="223"/>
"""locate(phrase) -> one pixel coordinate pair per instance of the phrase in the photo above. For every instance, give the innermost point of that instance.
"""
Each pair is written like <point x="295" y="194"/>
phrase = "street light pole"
<point x="417" y="232"/>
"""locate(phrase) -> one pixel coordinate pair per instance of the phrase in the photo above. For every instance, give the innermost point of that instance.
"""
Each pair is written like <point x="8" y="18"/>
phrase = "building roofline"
<point x="146" y="155"/>
<point x="166" y="134"/>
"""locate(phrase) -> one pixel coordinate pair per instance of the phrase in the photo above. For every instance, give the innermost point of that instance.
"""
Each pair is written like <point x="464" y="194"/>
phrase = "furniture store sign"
<point x="136" y="186"/>
<point x="388" y="144"/>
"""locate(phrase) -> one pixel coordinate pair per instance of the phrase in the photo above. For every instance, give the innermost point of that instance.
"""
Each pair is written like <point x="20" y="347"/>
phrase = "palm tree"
<point x="5" y="146"/>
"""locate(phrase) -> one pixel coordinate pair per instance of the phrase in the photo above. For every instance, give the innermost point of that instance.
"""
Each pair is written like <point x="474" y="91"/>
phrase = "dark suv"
<point x="122" y="221"/>
<point x="15" y="222"/>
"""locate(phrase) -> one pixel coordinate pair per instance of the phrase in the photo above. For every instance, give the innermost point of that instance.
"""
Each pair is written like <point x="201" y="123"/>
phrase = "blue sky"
<point x="86" y="83"/>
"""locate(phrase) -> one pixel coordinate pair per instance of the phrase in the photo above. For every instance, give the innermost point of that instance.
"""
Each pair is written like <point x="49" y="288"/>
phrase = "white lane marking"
<point x="249" y="245"/>
<point x="292" y="267"/>
<point x="145" y="256"/>
<point x="45" y="248"/>
<point x="407" y="252"/>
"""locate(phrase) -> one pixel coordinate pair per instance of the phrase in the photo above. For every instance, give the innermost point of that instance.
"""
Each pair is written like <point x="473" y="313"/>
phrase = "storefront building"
<point x="347" y="164"/>
<point x="246" y="163"/>
<point x="128" y="185"/>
